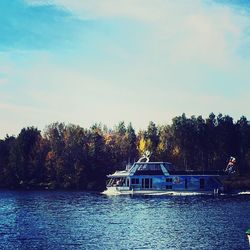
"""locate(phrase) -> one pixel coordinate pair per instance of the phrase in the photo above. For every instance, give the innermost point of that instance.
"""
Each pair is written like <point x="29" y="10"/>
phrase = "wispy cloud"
<point x="203" y="32"/>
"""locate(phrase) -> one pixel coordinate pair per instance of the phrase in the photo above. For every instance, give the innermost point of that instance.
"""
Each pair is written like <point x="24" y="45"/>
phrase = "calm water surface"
<point x="77" y="220"/>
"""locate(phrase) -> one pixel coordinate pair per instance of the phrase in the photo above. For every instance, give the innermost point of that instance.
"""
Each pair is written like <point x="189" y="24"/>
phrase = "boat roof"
<point x="133" y="170"/>
<point x="197" y="172"/>
<point x="166" y="168"/>
<point x="123" y="173"/>
<point x="153" y="162"/>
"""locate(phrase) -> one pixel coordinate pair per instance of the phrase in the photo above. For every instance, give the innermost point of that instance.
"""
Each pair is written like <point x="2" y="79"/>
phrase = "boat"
<point x="159" y="178"/>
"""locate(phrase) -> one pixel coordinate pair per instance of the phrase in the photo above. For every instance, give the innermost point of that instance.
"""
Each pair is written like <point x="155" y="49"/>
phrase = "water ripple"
<point x="78" y="220"/>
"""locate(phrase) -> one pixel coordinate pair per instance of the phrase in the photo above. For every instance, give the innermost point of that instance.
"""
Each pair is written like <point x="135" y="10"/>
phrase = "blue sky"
<point x="106" y="61"/>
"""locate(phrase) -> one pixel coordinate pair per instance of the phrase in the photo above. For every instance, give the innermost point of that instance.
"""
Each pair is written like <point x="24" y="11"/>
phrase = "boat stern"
<point x="116" y="190"/>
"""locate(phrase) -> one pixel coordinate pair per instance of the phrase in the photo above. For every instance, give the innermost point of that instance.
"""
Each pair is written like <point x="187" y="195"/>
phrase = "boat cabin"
<point x="163" y="176"/>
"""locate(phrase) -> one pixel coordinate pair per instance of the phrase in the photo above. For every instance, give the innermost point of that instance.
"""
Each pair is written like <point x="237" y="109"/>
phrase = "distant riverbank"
<point x="70" y="157"/>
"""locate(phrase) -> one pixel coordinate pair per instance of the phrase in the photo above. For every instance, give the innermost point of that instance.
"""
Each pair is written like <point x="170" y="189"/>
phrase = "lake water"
<point x="78" y="220"/>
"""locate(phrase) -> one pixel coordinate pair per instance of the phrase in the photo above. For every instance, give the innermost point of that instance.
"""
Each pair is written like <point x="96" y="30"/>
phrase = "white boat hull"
<point x="123" y="191"/>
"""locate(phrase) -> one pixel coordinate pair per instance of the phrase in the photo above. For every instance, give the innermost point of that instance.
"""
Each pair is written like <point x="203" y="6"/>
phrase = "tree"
<point x="243" y="130"/>
<point x="184" y="134"/>
<point x="226" y="140"/>
<point x="23" y="157"/>
<point x="55" y="160"/>
<point x="131" y="140"/>
<point x="165" y="145"/>
<point x="152" y="138"/>
<point x="7" y="177"/>
<point x="73" y="157"/>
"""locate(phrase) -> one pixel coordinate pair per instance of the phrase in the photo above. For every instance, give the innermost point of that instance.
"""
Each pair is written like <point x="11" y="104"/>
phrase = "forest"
<point x="72" y="157"/>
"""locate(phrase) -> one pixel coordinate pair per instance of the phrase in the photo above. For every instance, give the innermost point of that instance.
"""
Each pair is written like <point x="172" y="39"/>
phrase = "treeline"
<point x="72" y="157"/>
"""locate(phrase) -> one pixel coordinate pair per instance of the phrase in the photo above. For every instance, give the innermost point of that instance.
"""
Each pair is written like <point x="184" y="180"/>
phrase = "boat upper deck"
<point x="197" y="172"/>
<point x="161" y="168"/>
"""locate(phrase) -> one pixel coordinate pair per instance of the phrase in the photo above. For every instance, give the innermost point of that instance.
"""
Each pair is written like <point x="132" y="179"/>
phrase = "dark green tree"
<point x="152" y="138"/>
<point x="23" y="162"/>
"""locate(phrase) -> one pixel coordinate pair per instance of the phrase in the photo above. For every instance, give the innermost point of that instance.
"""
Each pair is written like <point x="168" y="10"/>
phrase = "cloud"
<point x="138" y="60"/>
<point x="191" y="30"/>
<point x="184" y="31"/>
<point x="94" y="9"/>
<point x="32" y="27"/>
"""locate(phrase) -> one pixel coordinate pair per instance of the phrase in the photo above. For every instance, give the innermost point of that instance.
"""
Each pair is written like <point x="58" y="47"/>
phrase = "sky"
<point x="108" y="61"/>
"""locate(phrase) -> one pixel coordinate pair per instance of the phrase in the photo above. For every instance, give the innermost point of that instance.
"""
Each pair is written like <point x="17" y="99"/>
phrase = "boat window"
<point x="109" y="182"/>
<point x="147" y="183"/>
<point x="169" y="179"/>
<point x="127" y="183"/>
<point x="135" y="181"/>
<point x="152" y="167"/>
<point x="169" y="187"/>
<point x="148" y="169"/>
<point x="169" y="166"/>
<point x="202" y="183"/>
<point x="113" y="182"/>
